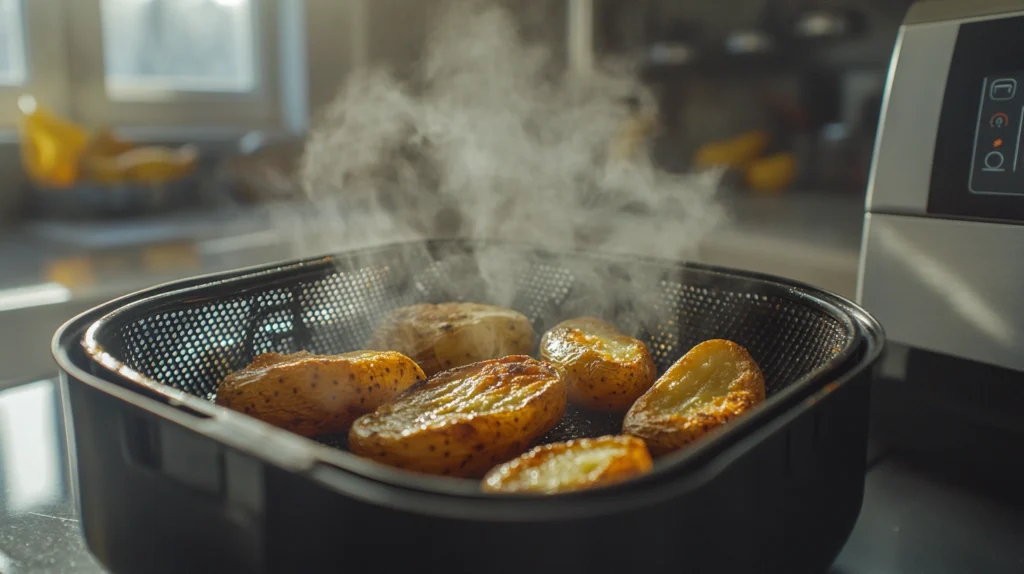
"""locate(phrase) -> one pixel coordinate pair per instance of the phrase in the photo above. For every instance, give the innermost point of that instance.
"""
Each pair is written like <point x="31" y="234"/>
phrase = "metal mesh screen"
<point x="192" y="340"/>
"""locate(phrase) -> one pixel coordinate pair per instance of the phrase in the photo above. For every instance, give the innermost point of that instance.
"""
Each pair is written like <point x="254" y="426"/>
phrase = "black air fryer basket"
<point x="170" y="482"/>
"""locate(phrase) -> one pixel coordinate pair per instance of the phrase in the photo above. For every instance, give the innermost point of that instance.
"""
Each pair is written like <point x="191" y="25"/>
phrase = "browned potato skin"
<point x="315" y="395"/>
<point x="596" y="379"/>
<point x="449" y="335"/>
<point x="665" y="431"/>
<point x="446" y="426"/>
<point x="626" y="458"/>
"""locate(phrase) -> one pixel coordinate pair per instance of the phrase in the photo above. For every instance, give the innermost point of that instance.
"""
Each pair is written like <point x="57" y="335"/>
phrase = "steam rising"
<point x="487" y="141"/>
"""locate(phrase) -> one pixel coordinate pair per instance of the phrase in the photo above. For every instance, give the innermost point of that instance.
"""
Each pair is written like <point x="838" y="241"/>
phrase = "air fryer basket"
<point x="169" y="482"/>
<point x="191" y="340"/>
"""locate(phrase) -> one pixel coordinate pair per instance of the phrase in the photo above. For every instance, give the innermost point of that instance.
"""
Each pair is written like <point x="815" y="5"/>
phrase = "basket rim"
<point x="246" y="432"/>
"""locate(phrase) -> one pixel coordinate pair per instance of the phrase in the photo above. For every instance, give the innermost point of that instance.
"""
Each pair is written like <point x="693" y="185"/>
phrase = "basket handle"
<point x="299" y="330"/>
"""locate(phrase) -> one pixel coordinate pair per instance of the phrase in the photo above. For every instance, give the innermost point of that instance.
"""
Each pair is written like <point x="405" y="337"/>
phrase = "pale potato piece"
<point x="712" y="384"/>
<point x="317" y="394"/>
<point x="463" y="421"/>
<point x="605" y="370"/>
<point x="572" y="465"/>
<point x="450" y="335"/>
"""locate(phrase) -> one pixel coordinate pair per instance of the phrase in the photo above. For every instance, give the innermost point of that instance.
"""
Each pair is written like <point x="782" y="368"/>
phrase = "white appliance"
<point x="942" y="264"/>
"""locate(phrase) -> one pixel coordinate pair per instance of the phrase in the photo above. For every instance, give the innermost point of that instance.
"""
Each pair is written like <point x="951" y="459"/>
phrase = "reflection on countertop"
<point x="913" y="521"/>
<point x="91" y="257"/>
<point x="39" y="528"/>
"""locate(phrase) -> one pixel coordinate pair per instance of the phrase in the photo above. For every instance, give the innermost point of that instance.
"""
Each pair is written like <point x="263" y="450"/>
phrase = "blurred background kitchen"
<point x="147" y="140"/>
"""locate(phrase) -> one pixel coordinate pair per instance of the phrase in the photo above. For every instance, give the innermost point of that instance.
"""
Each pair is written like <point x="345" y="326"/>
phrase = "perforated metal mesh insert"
<point x="191" y="340"/>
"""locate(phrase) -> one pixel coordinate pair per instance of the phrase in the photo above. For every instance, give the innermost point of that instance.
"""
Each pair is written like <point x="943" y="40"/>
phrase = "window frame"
<point x="260" y="108"/>
<point x="19" y="8"/>
<point x="307" y="49"/>
<point x="46" y="74"/>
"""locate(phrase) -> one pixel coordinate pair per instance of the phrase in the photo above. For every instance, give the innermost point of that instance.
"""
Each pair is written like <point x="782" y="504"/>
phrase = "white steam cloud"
<point x="487" y="141"/>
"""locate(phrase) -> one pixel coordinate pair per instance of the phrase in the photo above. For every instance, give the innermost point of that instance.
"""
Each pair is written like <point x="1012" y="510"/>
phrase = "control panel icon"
<point x="999" y="120"/>
<point x="1003" y="89"/>
<point x="994" y="161"/>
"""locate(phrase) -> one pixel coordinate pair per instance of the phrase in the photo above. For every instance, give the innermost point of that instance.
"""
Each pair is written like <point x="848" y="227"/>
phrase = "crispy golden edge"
<point x="464" y="445"/>
<point x="668" y="432"/>
<point x="316" y="395"/>
<point x="634" y="462"/>
<point x="422" y="330"/>
<point x="595" y="379"/>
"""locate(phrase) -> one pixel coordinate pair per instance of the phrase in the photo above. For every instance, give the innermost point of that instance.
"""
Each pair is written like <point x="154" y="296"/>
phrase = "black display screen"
<point x="996" y="167"/>
<point x="978" y="165"/>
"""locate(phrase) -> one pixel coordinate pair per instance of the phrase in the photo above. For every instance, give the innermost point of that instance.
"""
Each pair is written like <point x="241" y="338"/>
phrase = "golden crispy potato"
<point x="317" y="394"/>
<point x="605" y="370"/>
<point x="449" y="335"/>
<point x="463" y="421"/>
<point x="572" y="465"/>
<point x="712" y="384"/>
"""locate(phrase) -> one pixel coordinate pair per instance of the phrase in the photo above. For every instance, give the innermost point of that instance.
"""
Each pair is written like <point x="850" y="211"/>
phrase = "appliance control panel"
<point x="978" y="164"/>
<point x="996" y="165"/>
<point x="940" y="263"/>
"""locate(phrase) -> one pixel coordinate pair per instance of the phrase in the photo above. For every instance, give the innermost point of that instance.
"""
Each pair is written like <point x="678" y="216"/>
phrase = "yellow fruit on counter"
<point x="105" y="143"/>
<point x="58" y="153"/>
<point x="736" y="152"/>
<point x="157" y="164"/>
<point x="772" y="174"/>
<point x="101" y="169"/>
<point x="139" y="165"/>
<point x="751" y="144"/>
<point x="50" y="145"/>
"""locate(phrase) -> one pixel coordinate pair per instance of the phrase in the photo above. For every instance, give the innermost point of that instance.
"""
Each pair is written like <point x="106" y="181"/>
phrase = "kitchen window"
<point x="160" y="68"/>
<point x="32" y="58"/>
<point x="12" y="43"/>
<point x="178" y="45"/>
<point x="184" y="63"/>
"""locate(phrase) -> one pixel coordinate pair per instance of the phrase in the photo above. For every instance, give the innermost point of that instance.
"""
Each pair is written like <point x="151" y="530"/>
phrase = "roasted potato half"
<point x="449" y="335"/>
<point x="317" y="394"/>
<point x="572" y="465"/>
<point x="712" y="384"/>
<point x="604" y="369"/>
<point x="463" y="421"/>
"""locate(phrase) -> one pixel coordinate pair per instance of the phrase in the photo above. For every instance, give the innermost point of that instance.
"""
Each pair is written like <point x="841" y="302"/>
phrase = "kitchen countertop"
<point x="39" y="528"/>
<point x="913" y="520"/>
<point x="821" y="229"/>
<point x="55" y="271"/>
<point x="810" y="234"/>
